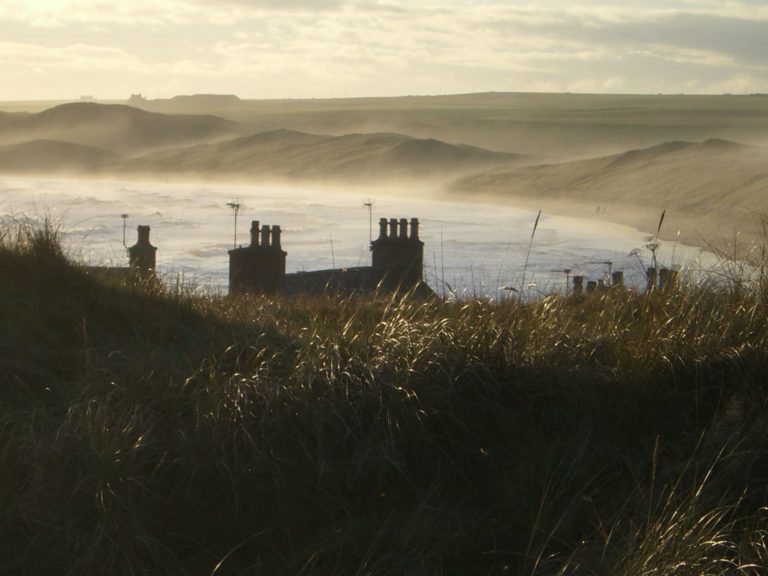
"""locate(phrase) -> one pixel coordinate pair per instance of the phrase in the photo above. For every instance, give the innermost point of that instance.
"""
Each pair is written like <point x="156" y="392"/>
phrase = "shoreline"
<point x="728" y="234"/>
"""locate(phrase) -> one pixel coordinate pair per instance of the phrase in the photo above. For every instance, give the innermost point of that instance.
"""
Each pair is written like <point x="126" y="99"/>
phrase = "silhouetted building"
<point x="142" y="255"/>
<point x="259" y="267"/>
<point x="397" y="255"/>
<point x="397" y="264"/>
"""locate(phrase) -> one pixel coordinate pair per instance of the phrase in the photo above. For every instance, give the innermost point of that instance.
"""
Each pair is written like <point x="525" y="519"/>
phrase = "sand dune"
<point x="120" y="129"/>
<point x="297" y="155"/>
<point x="54" y="156"/>
<point x="708" y="187"/>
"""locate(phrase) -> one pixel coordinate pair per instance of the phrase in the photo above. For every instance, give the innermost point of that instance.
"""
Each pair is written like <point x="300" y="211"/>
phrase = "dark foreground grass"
<point x="146" y="431"/>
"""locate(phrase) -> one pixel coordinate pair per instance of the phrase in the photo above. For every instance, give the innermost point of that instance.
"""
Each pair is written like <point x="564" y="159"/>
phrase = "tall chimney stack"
<point x="142" y="255"/>
<point x="254" y="233"/>
<point x="414" y="228"/>
<point x="382" y="228"/>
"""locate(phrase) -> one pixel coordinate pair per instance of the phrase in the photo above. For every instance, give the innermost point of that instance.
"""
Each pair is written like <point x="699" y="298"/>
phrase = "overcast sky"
<point x="60" y="49"/>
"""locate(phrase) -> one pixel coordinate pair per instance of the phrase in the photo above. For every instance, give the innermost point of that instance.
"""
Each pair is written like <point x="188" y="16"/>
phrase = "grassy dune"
<point x="149" y="431"/>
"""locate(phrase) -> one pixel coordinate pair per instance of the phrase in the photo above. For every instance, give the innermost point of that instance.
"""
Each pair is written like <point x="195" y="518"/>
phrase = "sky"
<point x="62" y="49"/>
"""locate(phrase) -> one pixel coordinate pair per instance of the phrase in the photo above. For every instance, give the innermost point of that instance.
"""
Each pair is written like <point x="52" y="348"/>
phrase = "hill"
<point x="716" y="184"/>
<point x="117" y="128"/>
<point x="297" y="155"/>
<point x="52" y="156"/>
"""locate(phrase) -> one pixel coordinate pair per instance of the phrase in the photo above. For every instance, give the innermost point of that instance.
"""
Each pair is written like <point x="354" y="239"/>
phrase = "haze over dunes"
<point x="90" y="138"/>
<point x="553" y="126"/>
<point x="55" y="156"/>
<point x="297" y="155"/>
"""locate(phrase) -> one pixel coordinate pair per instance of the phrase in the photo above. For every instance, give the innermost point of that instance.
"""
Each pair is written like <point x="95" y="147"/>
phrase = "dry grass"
<point x="152" y="432"/>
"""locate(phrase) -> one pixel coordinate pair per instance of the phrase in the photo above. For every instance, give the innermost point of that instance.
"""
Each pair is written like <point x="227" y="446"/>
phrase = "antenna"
<point x="567" y="272"/>
<point x="607" y="263"/>
<point x="235" y="205"/>
<point x="333" y="256"/>
<point x="124" y="217"/>
<point x="369" y="204"/>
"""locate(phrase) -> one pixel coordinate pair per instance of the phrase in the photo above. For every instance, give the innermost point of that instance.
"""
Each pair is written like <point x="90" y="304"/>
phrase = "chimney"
<point x="382" y="228"/>
<point x="617" y="279"/>
<point x="276" y="237"/>
<point x="403" y="229"/>
<point x="578" y="284"/>
<point x="143" y="239"/>
<point x="265" y="236"/>
<point x="393" y="228"/>
<point x="254" y="233"/>
<point x="141" y="256"/>
<point x="414" y="228"/>
<point x="591" y="286"/>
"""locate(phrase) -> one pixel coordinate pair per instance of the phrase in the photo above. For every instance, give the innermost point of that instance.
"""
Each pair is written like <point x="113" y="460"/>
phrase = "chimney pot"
<point x="393" y="228"/>
<point x="382" y="228"/>
<point x="276" y="236"/>
<point x="265" y="236"/>
<point x="143" y="235"/>
<point x="254" y="233"/>
<point x="414" y="228"/>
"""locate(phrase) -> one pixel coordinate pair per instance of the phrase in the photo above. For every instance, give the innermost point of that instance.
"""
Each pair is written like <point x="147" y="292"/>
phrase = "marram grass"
<point x="144" y="430"/>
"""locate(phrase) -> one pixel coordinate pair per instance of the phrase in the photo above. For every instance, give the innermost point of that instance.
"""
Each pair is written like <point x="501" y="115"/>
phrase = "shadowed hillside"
<point x="117" y="128"/>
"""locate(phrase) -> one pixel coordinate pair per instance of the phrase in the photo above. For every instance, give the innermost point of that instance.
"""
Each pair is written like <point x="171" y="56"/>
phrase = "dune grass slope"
<point x="149" y="431"/>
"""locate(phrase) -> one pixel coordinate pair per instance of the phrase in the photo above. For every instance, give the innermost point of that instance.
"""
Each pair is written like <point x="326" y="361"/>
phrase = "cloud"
<point x="273" y="47"/>
<point x="18" y="56"/>
<point x="308" y="5"/>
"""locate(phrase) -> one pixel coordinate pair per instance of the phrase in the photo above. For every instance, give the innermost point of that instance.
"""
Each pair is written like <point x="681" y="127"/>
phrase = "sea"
<point x="472" y="250"/>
